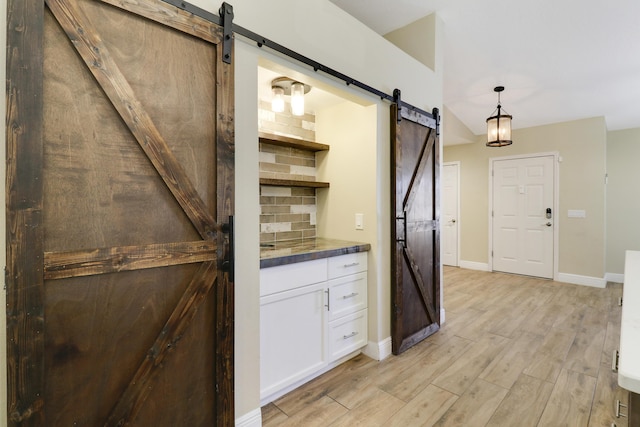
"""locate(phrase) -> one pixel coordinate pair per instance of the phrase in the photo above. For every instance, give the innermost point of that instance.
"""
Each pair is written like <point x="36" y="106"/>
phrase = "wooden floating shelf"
<point x="284" y="141"/>
<point x="293" y="183"/>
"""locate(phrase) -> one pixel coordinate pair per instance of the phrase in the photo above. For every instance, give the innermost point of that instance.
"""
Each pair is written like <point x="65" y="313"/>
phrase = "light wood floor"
<point x="514" y="351"/>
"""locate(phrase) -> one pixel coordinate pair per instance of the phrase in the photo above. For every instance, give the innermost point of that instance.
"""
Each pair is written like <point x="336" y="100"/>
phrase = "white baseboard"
<point x="576" y="279"/>
<point x="378" y="350"/>
<point x="252" y="419"/>
<point x="614" y="277"/>
<point x="472" y="265"/>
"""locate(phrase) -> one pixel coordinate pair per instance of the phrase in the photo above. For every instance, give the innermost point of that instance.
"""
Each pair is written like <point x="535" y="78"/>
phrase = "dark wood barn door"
<point x="415" y="233"/>
<point x="120" y="183"/>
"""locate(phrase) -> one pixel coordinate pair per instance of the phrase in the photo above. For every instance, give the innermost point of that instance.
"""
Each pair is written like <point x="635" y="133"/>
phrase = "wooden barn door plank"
<point x="25" y="318"/>
<point x="59" y="265"/>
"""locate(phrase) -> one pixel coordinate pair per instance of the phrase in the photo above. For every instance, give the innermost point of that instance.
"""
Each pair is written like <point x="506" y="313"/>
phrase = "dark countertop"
<point x="306" y="250"/>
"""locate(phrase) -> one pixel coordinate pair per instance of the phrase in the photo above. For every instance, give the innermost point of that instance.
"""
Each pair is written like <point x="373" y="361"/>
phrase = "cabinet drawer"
<point x="347" y="264"/>
<point x="347" y="295"/>
<point x="347" y="334"/>
<point x="291" y="276"/>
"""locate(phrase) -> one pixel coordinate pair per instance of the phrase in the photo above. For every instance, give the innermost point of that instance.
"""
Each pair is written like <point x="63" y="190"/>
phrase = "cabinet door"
<point x="292" y="337"/>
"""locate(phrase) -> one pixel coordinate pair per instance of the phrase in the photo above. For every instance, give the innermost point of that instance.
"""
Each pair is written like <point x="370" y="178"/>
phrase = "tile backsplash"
<point x="287" y="213"/>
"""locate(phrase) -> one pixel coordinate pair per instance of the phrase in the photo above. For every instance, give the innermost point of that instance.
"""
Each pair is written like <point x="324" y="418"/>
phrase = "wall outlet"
<point x="359" y="221"/>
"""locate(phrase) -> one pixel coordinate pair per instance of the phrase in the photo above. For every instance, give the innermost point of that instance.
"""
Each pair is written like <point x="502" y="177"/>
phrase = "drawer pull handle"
<point x="351" y="335"/>
<point x="618" y="405"/>
<point x="354" y="294"/>
<point x="353" y="264"/>
<point x="328" y="304"/>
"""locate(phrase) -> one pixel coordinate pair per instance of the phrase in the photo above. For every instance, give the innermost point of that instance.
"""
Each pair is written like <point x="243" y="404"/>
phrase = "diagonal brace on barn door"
<point x="108" y="75"/>
<point x="423" y="289"/>
<point x="138" y="389"/>
<point x="425" y="153"/>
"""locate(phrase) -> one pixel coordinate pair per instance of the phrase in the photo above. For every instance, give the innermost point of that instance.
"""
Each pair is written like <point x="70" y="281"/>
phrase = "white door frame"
<point x="458" y="219"/>
<point x="556" y="202"/>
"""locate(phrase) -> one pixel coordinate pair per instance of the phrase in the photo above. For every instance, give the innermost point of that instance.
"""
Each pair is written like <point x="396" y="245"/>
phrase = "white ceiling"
<point x="559" y="60"/>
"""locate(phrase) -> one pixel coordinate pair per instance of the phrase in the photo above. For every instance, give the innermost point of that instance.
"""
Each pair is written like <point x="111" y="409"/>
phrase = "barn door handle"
<point x="401" y="233"/>
<point x="228" y="264"/>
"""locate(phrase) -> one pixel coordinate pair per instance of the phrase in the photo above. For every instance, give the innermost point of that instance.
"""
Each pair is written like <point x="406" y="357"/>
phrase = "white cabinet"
<point x="290" y="324"/>
<point x="311" y="315"/>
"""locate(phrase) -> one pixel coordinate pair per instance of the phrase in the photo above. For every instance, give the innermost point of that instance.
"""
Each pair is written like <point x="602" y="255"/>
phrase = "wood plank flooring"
<point x="514" y="351"/>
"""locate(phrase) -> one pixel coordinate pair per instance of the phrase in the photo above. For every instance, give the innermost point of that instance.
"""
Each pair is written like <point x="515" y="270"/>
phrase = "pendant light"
<point x="499" y="126"/>
<point x="285" y="86"/>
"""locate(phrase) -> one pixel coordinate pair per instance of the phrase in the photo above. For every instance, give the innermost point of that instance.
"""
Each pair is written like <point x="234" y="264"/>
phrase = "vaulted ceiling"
<point x="559" y="60"/>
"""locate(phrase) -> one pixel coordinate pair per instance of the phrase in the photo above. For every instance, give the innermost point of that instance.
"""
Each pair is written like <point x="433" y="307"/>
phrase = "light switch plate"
<point x="359" y="221"/>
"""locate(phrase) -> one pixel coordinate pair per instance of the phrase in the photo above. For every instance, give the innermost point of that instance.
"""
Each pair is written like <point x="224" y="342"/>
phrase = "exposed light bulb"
<point x="297" y="99"/>
<point x="277" y="101"/>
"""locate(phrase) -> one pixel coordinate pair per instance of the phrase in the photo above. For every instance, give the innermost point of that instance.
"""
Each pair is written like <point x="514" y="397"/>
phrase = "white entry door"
<point x="449" y="214"/>
<point x="523" y="216"/>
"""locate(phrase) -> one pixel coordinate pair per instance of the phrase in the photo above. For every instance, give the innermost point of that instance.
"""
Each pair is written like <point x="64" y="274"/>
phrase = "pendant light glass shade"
<point x="277" y="100"/>
<point x="297" y="99"/>
<point x="499" y="126"/>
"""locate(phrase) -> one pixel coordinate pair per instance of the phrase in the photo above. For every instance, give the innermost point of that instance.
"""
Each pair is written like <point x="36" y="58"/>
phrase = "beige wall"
<point x="411" y="38"/>
<point x="454" y="131"/>
<point x="582" y="146"/>
<point x="350" y="166"/>
<point x="623" y="196"/>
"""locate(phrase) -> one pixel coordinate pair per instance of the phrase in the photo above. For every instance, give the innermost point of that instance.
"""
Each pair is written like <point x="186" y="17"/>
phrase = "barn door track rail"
<point x="225" y="20"/>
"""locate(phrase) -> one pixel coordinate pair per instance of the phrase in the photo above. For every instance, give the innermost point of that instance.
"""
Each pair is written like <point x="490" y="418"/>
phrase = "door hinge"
<point x="614" y="361"/>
